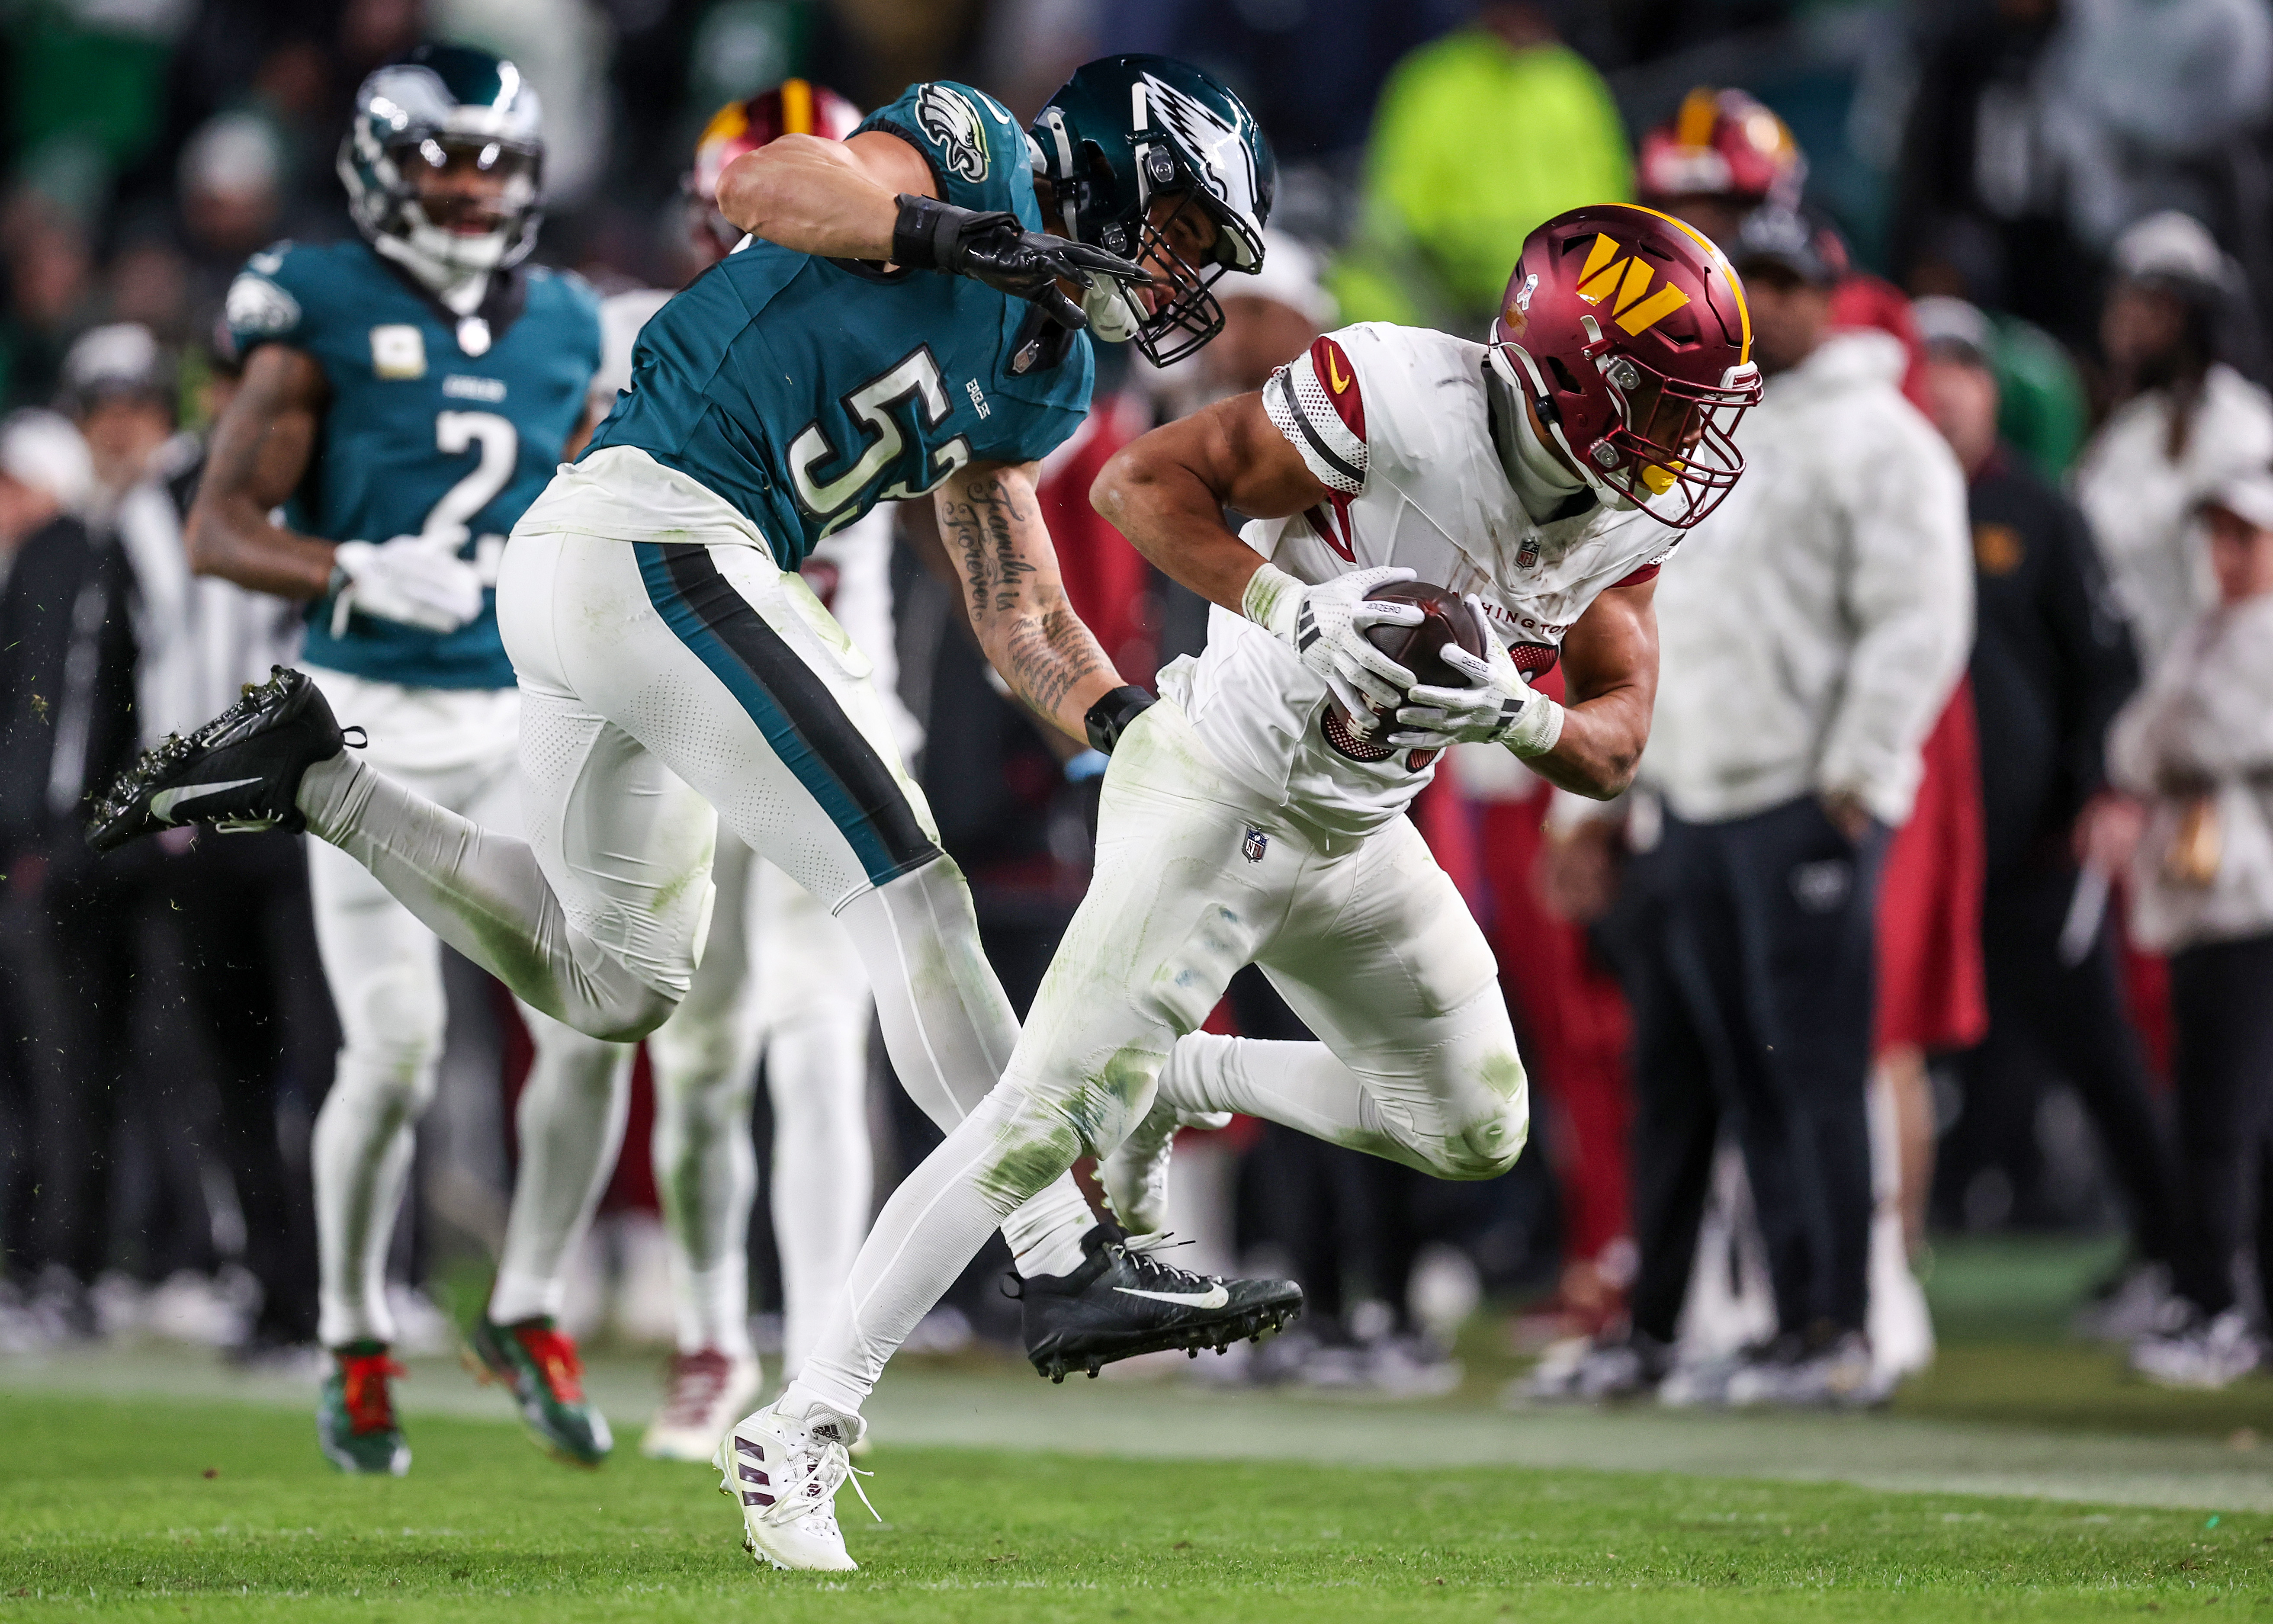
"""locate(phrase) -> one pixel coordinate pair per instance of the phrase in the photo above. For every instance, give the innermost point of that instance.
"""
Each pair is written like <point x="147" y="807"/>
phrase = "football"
<point x="1420" y="649"/>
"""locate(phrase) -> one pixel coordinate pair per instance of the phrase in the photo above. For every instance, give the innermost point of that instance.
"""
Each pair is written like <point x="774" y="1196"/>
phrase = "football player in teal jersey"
<point x="407" y="395"/>
<point x="901" y="324"/>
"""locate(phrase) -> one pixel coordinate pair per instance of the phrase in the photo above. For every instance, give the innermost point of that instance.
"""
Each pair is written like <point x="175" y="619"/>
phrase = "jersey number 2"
<point x="456" y="433"/>
<point x="837" y="501"/>
<point x="452" y="517"/>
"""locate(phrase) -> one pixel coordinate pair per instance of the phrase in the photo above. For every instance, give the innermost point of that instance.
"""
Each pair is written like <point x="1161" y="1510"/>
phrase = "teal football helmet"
<point x="1126" y="130"/>
<point x="445" y="106"/>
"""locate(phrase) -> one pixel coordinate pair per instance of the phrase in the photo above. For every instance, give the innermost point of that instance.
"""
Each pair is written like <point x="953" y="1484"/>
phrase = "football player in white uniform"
<point x="1546" y="476"/>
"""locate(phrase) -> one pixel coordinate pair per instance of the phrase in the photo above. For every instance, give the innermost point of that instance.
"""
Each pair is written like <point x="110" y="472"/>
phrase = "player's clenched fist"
<point x="993" y="248"/>
<point x="415" y="580"/>
<point x="1497" y="707"/>
<point x="1325" y="626"/>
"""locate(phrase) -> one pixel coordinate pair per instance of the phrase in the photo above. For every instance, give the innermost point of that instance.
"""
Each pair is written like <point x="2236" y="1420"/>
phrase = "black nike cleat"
<point x="1125" y="1301"/>
<point x="241" y="770"/>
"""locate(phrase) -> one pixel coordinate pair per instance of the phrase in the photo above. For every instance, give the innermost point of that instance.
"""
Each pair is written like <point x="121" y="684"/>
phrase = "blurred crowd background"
<point x="2076" y="194"/>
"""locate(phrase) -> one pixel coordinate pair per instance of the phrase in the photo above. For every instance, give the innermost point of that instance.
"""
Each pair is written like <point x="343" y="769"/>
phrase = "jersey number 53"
<point x="837" y="502"/>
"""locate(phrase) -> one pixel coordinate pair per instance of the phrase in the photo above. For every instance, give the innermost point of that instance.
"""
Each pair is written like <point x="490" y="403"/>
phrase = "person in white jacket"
<point x="2194" y="750"/>
<point x="2190" y="422"/>
<point x="1810" y="634"/>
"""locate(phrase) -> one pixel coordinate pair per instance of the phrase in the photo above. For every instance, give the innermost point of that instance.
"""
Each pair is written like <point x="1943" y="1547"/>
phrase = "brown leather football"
<point x="1420" y="649"/>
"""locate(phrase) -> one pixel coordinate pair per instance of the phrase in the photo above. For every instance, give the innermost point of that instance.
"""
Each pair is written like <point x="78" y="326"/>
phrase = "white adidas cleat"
<point x="784" y="1471"/>
<point x="703" y="1395"/>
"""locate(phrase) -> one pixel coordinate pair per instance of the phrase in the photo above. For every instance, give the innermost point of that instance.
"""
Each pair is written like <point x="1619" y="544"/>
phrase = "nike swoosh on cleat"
<point x="162" y="804"/>
<point x="1215" y="1298"/>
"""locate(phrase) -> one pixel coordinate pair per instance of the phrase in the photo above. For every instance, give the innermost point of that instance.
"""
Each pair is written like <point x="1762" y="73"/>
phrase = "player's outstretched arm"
<point x="837" y="198"/>
<point x="991" y="523"/>
<point x="259" y="452"/>
<point x="1166" y="490"/>
<point x="1609" y="686"/>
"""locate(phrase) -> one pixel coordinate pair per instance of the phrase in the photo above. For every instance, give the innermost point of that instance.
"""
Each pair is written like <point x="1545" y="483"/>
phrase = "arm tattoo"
<point x="982" y="531"/>
<point x="1049" y="655"/>
<point x="1036" y="640"/>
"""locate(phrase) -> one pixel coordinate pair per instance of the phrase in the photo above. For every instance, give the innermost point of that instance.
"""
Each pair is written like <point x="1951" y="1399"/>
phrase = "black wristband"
<point x="915" y="233"/>
<point x="1109" y="718"/>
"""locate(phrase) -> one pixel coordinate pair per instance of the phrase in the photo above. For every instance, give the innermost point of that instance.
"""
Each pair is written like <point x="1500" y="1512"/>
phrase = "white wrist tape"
<point x="1271" y="601"/>
<point x="1541" y="725"/>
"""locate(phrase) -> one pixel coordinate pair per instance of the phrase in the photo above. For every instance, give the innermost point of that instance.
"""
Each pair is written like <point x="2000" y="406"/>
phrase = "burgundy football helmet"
<point x="1627" y="331"/>
<point x="794" y="106"/>
<point x="1723" y="143"/>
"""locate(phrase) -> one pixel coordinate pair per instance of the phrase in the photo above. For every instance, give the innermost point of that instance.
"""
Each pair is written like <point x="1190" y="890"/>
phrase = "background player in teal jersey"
<point x="406" y="397"/>
<point x="651" y="606"/>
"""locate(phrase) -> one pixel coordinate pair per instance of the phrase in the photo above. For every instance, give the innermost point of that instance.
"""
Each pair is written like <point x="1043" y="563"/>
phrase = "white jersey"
<point x="1395" y="423"/>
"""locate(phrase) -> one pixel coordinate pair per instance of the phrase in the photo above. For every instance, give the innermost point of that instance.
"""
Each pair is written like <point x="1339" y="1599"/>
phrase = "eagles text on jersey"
<point x="438" y="425"/>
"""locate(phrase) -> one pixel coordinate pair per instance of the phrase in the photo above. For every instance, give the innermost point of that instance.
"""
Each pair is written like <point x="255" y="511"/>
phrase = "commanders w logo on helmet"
<point x="1605" y="274"/>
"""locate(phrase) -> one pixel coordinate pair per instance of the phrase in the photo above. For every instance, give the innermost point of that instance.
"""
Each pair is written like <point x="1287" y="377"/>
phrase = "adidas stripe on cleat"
<point x="240" y="771"/>
<point x="1124" y="1301"/>
<point x="784" y="1471"/>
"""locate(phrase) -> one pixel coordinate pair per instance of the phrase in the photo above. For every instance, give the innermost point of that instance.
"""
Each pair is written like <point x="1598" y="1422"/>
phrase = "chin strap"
<point x="462" y="291"/>
<point x="1540" y="481"/>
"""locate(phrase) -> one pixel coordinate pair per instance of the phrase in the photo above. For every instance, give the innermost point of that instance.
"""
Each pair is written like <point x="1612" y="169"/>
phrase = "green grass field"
<point x="152" y="1509"/>
<point x="147" y="1485"/>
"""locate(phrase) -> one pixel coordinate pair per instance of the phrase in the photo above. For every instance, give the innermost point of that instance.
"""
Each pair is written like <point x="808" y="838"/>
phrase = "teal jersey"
<point x="431" y="430"/>
<point x="805" y="391"/>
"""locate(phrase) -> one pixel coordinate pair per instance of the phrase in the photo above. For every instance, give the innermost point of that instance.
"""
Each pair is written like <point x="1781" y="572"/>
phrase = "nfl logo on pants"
<point x="1254" y="845"/>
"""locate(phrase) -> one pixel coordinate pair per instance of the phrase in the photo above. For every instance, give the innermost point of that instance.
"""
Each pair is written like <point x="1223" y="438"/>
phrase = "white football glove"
<point x="1325" y="626"/>
<point x="1498" y="706"/>
<point x="418" y="580"/>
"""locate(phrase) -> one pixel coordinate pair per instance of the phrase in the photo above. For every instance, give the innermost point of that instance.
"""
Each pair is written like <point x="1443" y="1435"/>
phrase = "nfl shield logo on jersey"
<point x="1254" y="845"/>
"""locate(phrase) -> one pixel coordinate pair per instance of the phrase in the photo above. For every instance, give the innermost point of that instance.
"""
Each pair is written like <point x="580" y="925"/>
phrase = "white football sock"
<point x="817" y="1078"/>
<point x="706" y="1175"/>
<point x="706" y="1172"/>
<point x="481" y="892"/>
<point x="570" y="1122"/>
<point x="950" y="1031"/>
<point x="927" y="1234"/>
<point x="1045" y="1234"/>
<point x="1298" y="1085"/>
<point x="384" y="971"/>
<point x="361" y="1154"/>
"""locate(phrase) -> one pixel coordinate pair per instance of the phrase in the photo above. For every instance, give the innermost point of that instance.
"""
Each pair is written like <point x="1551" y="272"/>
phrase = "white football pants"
<point x="1367" y="940"/>
<point x="645" y="669"/>
<point x="457" y="748"/>
<point x="782" y="979"/>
